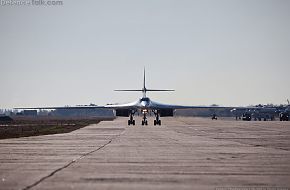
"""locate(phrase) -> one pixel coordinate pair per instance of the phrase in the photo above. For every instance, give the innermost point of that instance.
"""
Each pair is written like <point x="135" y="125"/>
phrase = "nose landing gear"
<point x="144" y="120"/>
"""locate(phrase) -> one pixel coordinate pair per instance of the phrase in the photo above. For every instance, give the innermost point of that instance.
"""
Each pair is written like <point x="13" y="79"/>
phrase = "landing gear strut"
<point x="144" y="120"/>
<point x="157" y="121"/>
<point x="131" y="119"/>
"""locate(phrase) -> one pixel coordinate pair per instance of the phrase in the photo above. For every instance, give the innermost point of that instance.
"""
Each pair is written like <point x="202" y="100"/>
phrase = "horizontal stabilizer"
<point x="144" y="89"/>
<point x="158" y="90"/>
<point x="130" y="90"/>
<point x="152" y="90"/>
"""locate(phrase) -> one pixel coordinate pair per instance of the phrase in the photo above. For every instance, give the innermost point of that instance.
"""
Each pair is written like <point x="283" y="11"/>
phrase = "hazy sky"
<point x="227" y="52"/>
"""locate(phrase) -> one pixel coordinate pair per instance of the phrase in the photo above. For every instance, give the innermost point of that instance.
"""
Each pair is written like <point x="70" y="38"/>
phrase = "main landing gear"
<point x="131" y="120"/>
<point x="157" y="121"/>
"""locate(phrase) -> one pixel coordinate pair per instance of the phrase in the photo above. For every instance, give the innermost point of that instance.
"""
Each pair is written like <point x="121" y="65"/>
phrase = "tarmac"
<point x="183" y="153"/>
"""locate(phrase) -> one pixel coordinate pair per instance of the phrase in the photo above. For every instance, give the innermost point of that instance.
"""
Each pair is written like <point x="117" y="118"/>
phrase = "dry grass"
<point x="25" y="127"/>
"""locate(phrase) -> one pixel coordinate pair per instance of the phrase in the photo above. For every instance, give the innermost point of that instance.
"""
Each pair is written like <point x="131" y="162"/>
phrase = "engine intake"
<point x="166" y="112"/>
<point x="122" y="112"/>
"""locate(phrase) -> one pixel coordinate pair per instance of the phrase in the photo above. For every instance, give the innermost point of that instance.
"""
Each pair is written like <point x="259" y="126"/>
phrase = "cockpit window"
<point x="145" y="99"/>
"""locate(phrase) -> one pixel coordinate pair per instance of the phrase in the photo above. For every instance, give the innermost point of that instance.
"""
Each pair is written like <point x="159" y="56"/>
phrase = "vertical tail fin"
<point x="144" y="84"/>
<point x="144" y="89"/>
<point x="144" y="78"/>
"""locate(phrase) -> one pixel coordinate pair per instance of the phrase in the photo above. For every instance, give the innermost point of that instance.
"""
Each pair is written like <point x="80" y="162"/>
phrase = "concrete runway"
<point x="184" y="153"/>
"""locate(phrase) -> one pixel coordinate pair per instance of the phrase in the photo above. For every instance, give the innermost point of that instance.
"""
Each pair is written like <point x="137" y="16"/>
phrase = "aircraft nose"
<point x="144" y="103"/>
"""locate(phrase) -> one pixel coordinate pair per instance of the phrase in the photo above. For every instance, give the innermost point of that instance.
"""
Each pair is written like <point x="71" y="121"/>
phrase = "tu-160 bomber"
<point x="143" y="105"/>
<point x="146" y="106"/>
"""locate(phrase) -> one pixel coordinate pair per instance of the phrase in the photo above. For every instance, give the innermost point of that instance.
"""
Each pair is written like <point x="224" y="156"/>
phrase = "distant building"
<point x="30" y="112"/>
<point x="5" y="119"/>
<point x="83" y="112"/>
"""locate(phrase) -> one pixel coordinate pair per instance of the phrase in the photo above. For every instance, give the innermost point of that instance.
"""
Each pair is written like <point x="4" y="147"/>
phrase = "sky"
<point x="225" y="52"/>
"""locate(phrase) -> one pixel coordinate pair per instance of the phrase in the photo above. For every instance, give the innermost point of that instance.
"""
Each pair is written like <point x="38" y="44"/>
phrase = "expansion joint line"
<point x="70" y="163"/>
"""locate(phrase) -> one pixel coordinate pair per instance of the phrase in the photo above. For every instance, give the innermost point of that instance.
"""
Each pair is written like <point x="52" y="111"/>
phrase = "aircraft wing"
<point x="60" y="107"/>
<point x="132" y="105"/>
<point x="156" y="105"/>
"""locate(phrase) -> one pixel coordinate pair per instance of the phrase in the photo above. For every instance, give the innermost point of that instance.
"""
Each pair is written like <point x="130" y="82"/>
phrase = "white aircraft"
<point x="144" y="106"/>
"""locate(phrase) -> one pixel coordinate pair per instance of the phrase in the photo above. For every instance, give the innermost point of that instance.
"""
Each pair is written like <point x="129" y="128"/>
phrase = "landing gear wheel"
<point x="142" y="122"/>
<point x="146" y="122"/>
<point x="131" y="120"/>
<point x="157" y="121"/>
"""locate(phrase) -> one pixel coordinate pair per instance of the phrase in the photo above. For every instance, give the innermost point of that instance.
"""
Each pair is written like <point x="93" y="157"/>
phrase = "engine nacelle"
<point x="122" y="112"/>
<point x="166" y="112"/>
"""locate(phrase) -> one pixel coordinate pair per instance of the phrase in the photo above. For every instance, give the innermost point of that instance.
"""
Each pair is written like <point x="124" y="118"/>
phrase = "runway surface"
<point x="183" y="153"/>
